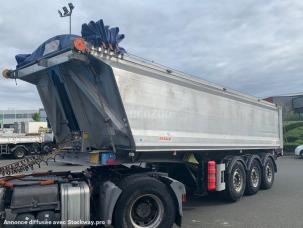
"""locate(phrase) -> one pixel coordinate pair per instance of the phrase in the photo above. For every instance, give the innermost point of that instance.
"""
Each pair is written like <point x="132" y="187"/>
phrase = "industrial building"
<point x="8" y="118"/>
<point x="292" y="105"/>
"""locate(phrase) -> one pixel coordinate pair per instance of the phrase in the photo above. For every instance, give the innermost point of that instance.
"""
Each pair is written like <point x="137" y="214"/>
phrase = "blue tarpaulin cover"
<point x="98" y="34"/>
<point x="95" y="33"/>
<point x="56" y="43"/>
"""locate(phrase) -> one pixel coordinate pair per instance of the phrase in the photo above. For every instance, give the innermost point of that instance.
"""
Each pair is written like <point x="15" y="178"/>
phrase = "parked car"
<point x="299" y="151"/>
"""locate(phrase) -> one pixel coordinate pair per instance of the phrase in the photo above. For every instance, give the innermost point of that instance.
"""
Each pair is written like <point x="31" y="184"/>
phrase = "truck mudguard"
<point x="251" y="159"/>
<point x="109" y="194"/>
<point x="177" y="189"/>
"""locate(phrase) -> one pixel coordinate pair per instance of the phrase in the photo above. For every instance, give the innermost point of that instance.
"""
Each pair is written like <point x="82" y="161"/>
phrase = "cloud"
<point x="252" y="46"/>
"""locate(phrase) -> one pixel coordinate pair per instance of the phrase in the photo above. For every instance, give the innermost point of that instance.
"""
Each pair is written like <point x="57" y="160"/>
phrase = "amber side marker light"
<point x="80" y="45"/>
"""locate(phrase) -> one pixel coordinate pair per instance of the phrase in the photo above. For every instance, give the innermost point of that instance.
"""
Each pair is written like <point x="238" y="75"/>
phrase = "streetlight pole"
<point x="67" y="13"/>
<point x="2" y="119"/>
<point x="70" y="24"/>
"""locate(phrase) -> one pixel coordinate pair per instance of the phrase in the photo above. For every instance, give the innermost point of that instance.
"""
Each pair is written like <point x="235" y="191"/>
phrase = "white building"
<point x="9" y="117"/>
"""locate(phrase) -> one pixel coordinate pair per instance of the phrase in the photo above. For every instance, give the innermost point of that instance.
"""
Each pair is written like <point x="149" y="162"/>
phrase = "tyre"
<point x="236" y="182"/>
<point x="19" y="153"/>
<point x="144" y="202"/>
<point x="25" y="218"/>
<point x="268" y="174"/>
<point x="253" y="178"/>
<point x="47" y="148"/>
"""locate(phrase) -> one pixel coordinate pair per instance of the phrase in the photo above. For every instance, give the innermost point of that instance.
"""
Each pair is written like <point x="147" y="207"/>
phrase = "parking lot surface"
<point x="281" y="206"/>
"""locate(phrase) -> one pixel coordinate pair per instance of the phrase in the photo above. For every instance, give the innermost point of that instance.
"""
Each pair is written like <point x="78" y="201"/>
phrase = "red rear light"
<point x="184" y="198"/>
<point x="111" y="161"/>
<point x="211" y="176"/>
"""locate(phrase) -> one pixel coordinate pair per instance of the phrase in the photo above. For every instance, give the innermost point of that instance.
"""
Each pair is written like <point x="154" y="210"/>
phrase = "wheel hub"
<point x="268" y="173"/>
<point x="143" y="210"/>
<point x="254" y="177"/>
<point x="146" y="211"/>
<point x="237" y="180"/>
<point x="19" y="153"/>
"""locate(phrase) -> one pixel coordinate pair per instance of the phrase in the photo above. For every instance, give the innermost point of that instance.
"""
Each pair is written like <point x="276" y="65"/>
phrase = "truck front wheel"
<point x="236" y="182"/>
<point x="144" y="202"/>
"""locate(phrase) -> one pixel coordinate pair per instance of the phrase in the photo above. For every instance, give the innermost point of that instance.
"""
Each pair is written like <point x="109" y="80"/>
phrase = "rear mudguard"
<point x="272" y="157"/>
<point x="18" y="146"/>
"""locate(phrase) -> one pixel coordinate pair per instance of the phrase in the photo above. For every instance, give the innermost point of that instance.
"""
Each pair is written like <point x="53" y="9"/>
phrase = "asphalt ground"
<point x="280" y="206"/>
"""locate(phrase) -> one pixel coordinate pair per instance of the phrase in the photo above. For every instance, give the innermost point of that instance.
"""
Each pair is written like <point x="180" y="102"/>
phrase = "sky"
<point x="253" y="46"/>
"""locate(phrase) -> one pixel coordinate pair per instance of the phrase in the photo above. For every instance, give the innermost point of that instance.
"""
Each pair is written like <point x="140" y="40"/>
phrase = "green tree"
<point x="36" y="116"/>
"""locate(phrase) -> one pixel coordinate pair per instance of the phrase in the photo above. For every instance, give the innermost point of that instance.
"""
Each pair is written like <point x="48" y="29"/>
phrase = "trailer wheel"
<point x="268" y="174"/>
<point x="236" y="182"/>
<point x="144" y="202"/>
<point x="19" y="152"/>
<point x="253" y="178"/>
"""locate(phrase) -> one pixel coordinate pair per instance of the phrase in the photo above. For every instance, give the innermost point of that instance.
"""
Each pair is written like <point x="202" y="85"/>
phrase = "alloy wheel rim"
<point x="268" y="171"/>
<point x="237" y="180"/>
<point x="255" y="177"/>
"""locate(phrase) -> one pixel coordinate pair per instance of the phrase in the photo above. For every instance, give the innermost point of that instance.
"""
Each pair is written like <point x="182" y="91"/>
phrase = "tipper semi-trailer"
<point x="149" y="134"/>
